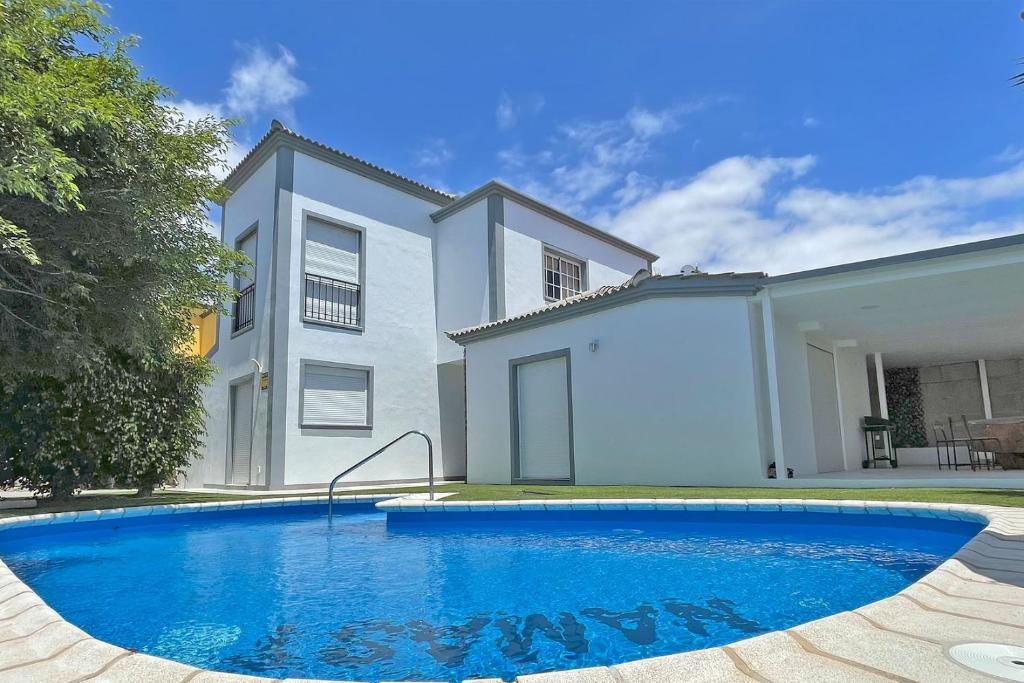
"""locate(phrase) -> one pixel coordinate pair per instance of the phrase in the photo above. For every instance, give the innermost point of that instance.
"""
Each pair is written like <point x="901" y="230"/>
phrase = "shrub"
<point x="133" y="420"/>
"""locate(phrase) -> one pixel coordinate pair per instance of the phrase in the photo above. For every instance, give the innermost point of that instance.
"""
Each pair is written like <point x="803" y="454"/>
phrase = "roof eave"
<point x="902" y="259"/>
<point x="279" y="136"/>
<point x="648" y="289"/>
<point x="497" y="187"/>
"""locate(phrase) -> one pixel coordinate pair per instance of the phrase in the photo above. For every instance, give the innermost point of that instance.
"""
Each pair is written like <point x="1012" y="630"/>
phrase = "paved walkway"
<point x="976" y="596"/>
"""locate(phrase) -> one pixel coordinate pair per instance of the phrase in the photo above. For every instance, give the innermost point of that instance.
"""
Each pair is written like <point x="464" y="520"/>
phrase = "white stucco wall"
<point x="854" y="401"/>
<point x="399" y="339"/>
<point x="759" y="363"/>
<point x="795" y="397"/>
<point x="253" y="203"/>
<point x="526" y="232"/>
<point x="462" y="282"/>
<point x="668" y="397"/>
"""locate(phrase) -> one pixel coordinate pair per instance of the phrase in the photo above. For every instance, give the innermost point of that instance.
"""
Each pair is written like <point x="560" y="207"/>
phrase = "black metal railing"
<point x="245" y="308"/>
<point x="332" y="301"/>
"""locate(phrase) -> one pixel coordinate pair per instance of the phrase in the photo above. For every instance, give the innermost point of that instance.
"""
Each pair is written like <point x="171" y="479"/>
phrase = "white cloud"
<point x="435" y="152"/>
<point x="1010" y="154"/>
<point x="647" y="124"/>
<point x="589" y="160"/>
<point x="752" y="213"/>
<point x="194" y="111"/>
<point x="262" y="82"/>
<point x="811" y="122"/>
<point x="510" y="110"/>
<point x="258" y="84"/>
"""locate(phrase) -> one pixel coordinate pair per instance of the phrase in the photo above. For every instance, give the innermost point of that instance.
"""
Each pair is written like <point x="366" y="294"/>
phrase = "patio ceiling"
<point x="945" y="310"/>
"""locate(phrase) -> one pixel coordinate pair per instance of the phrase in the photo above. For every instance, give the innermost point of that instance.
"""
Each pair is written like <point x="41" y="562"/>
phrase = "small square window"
<point x="563" y="277"/>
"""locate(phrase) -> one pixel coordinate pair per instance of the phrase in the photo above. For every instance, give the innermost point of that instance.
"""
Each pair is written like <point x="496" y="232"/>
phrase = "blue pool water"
<point x="281" y="592"/>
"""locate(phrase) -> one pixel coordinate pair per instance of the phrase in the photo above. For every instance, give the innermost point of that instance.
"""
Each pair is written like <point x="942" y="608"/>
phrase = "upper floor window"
<point x="332" y="288"/>
<point x="245" y="303"/>
<point x="563" y="276"/>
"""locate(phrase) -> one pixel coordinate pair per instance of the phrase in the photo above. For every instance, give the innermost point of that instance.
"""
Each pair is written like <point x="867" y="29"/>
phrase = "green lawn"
<point x="1012" y="497"/>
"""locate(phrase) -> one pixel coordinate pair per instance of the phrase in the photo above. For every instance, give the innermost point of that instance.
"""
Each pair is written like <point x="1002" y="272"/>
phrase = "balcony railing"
<point x="332" y="301"/>
<point x="245" y="308"/>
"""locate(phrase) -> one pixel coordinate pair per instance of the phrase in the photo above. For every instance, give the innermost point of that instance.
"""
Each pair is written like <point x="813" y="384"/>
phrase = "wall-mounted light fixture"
<point x="593" y="346"/>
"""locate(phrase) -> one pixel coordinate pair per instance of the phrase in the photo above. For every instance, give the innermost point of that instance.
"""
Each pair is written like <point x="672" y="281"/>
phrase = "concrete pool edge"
<point x="976" y="595"/>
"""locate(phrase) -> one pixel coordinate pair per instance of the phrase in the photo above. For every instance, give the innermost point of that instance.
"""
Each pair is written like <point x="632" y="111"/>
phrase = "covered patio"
<point x="934" y="335"/>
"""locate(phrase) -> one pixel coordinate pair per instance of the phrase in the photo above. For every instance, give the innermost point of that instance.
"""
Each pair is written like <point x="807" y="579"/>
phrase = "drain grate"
<point x="994" y="659"/>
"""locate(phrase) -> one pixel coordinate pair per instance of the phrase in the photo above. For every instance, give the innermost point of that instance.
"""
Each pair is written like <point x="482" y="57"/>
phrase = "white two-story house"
<point x="337" y="341"/>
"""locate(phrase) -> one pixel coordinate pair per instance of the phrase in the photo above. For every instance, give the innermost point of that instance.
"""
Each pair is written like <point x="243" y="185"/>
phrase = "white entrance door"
<point x="828" y="443"/>
<point x="241" y="432"/>
<point x="544" y="439"/>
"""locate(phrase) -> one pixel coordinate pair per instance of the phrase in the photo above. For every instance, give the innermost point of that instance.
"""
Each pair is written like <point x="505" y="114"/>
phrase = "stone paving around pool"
<point x="975" y="596"/>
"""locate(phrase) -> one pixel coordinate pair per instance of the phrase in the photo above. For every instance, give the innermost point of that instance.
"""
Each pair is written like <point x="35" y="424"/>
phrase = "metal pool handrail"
<point x="371" y="456"/>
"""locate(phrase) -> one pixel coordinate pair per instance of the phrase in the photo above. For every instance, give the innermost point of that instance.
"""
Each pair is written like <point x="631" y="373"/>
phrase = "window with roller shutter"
<point x="336" y="396"/>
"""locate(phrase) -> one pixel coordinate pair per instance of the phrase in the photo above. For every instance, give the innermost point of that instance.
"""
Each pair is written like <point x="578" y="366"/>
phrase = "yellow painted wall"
<point x="204" y="335"/>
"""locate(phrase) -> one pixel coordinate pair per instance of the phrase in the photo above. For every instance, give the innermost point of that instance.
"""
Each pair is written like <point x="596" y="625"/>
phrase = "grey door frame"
<point x="513" y="396"/>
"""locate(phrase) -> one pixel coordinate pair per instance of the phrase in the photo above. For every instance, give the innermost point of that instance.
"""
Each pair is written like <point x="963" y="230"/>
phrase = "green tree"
<point x="104" y="253"/>
<point x="103" y="195"/>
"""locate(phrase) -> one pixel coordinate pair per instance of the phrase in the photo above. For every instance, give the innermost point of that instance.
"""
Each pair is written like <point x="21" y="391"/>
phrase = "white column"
<point x="836" y="347"/>
<point x="883" y="402"/>
<point x="771" y="367"/>
<point x="986" y="399"/>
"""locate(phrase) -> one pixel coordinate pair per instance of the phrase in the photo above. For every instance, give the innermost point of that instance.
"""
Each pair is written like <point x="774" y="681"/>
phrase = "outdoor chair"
<point x="979" y="448"/>
<point x="964" y="441"/>
<point x="944" y="441"/>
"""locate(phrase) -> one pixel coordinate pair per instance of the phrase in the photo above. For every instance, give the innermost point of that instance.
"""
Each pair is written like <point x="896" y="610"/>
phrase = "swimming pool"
<point x="281" y="592"/>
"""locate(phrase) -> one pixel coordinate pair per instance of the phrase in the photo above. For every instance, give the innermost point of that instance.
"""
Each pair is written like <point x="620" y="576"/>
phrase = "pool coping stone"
<point x="904" y="637"/>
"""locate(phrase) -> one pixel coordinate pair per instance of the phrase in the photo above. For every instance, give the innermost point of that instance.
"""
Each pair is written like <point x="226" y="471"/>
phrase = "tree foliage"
<point x="103" y="195"/>
<point x="104" y="253"/>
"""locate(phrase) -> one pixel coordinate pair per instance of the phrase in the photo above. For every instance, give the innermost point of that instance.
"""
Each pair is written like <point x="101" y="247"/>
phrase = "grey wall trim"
<point x="221" y="318"/>
<point x="540" y="207"/>
<point x="278" y="325"/>
<point x="279" y="135"/>
<point x="513" y="410"/>
<point x="306" y="214"/>
<point x="901" y="259"/>
<point x="651" y="288"/>
<point x="496" y="256"/>
<point x="222" y="210"/>
<point x="368" y="369"/>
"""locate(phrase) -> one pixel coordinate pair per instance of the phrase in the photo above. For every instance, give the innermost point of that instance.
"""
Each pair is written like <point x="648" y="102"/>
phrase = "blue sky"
<point x="768" y="136"/>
